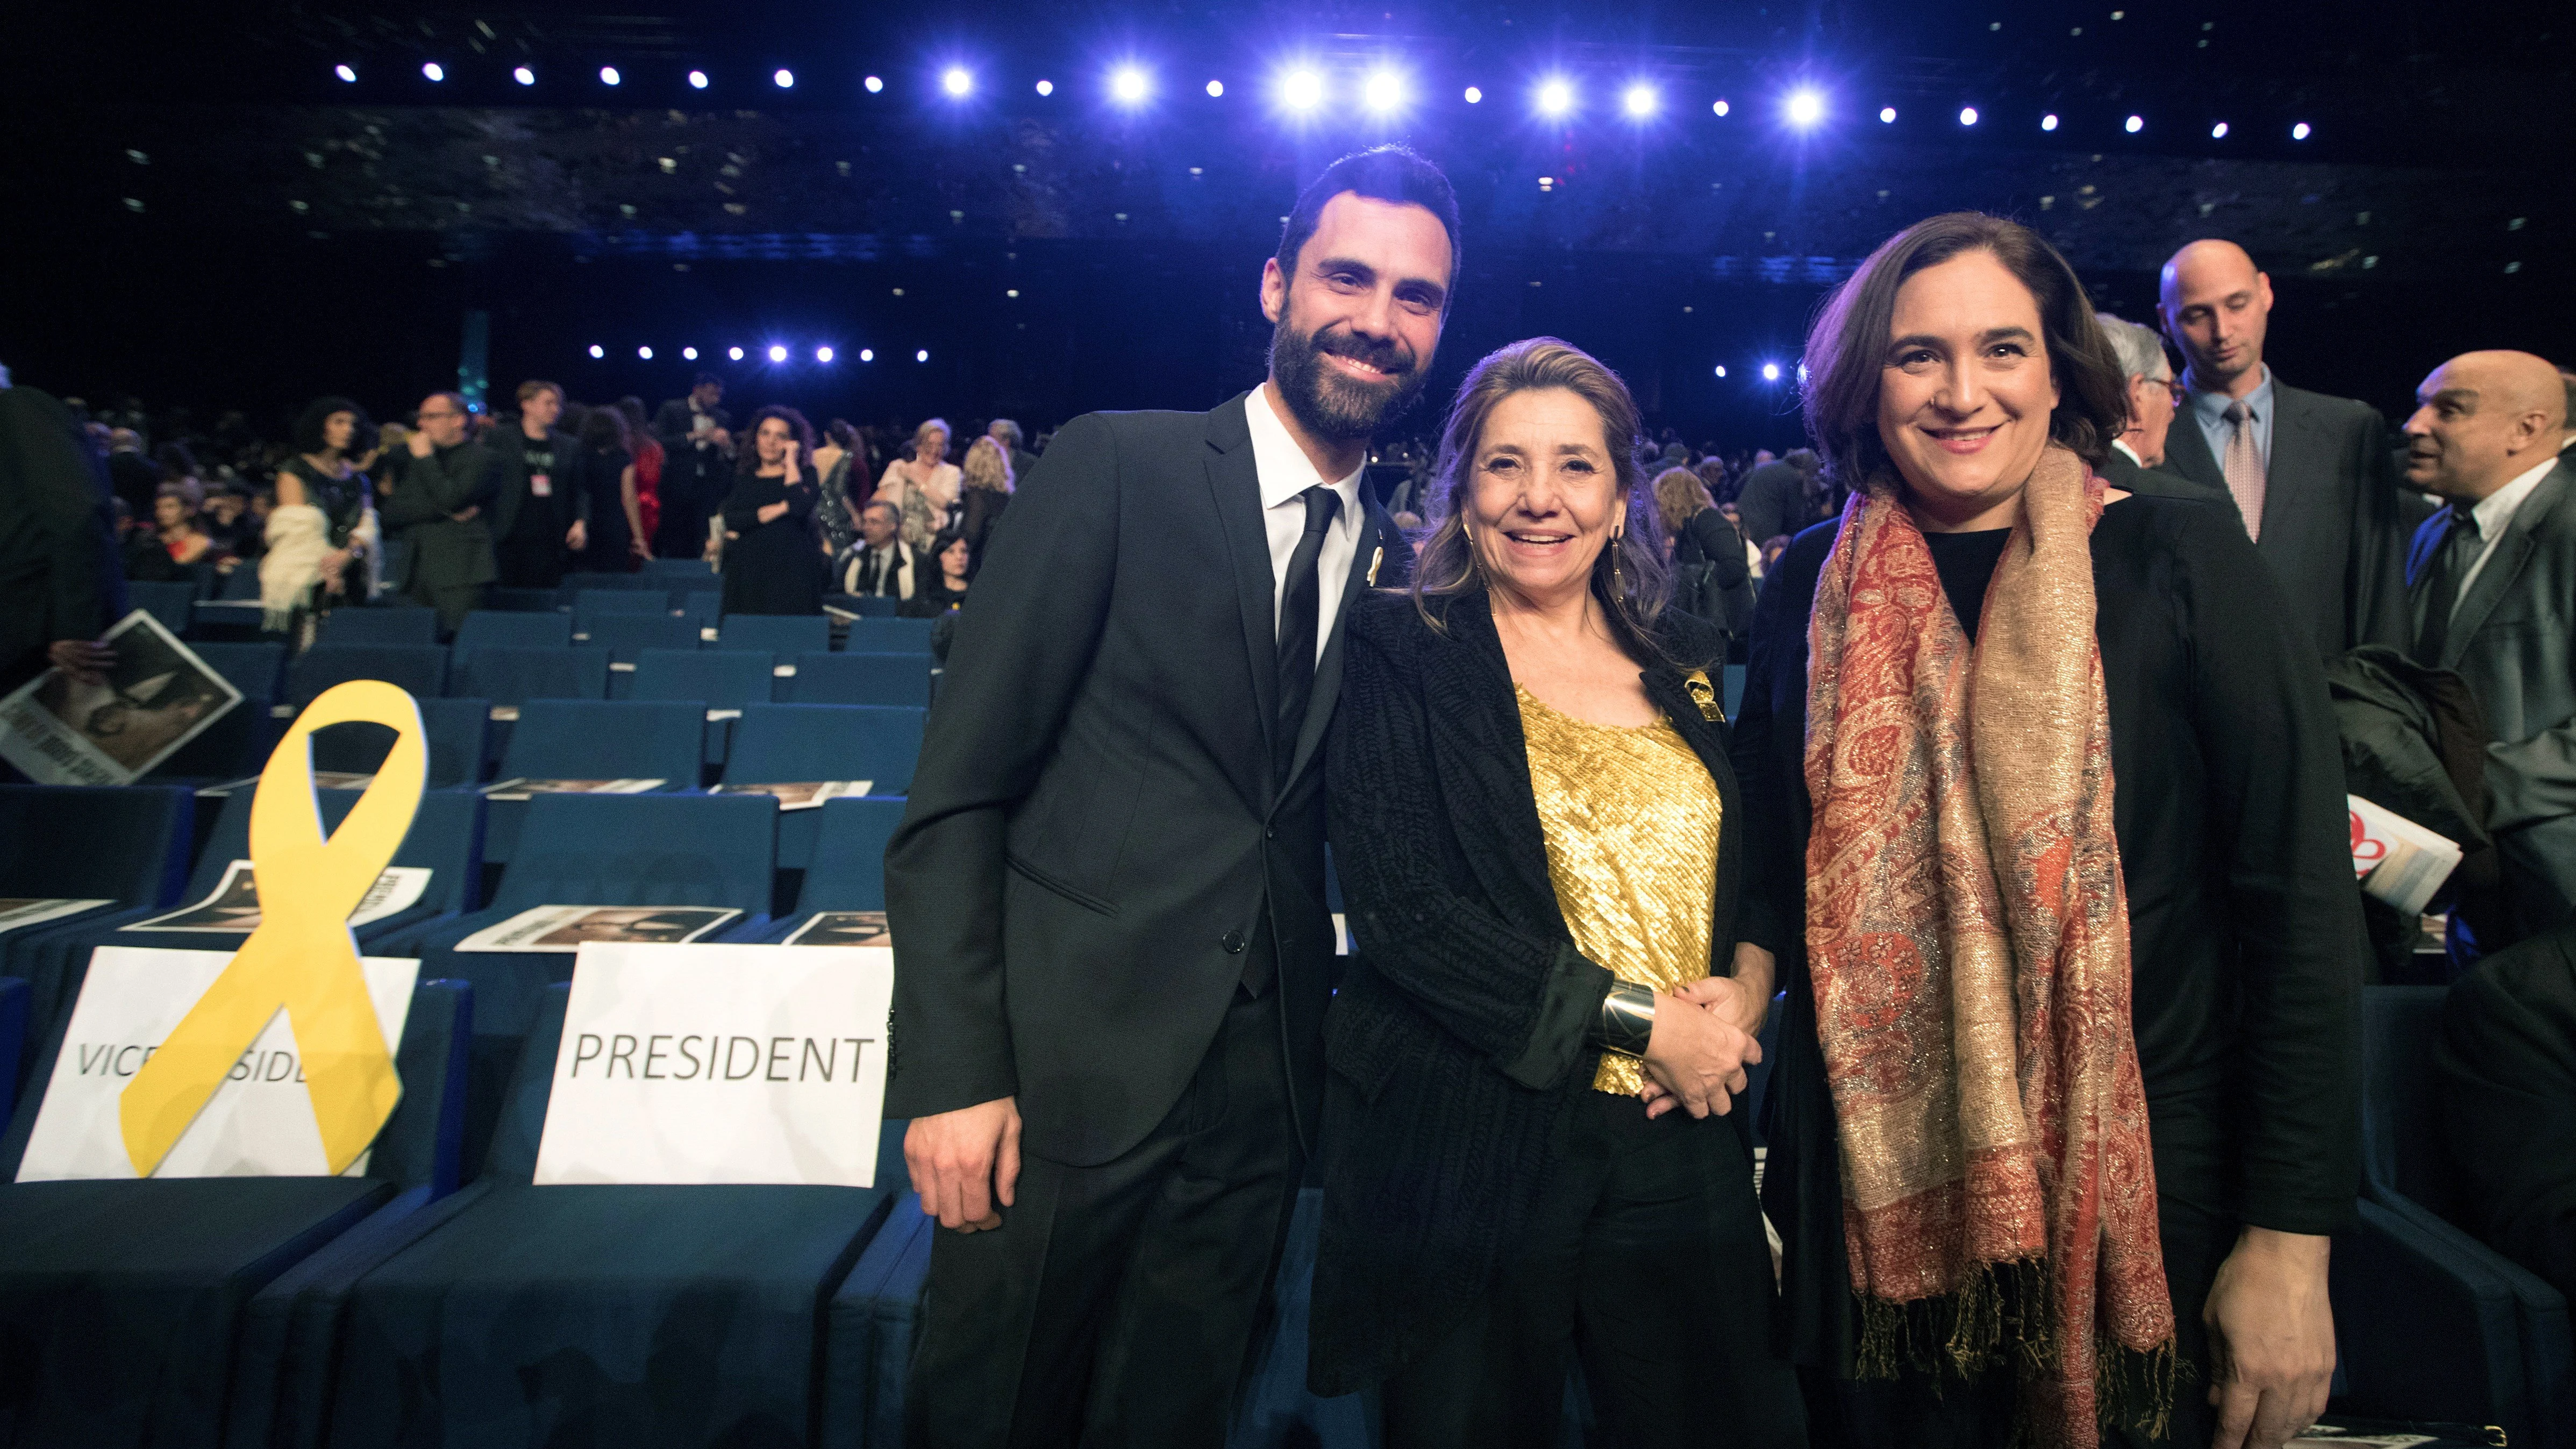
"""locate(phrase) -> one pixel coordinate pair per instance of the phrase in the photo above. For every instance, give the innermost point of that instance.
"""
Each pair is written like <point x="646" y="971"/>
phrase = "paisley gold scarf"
<point x="1968" y="939"/>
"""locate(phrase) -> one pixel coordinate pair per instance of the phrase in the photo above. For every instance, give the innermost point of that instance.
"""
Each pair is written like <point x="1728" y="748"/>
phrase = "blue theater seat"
<point x="419" y="670"/>
<point x="506" y="674"/>
<point x="598" y="850"/>
<point x="457" y="728"/>
<point x="845" y="862"/>
<point x="704" y="605"/>
<point x="493" y="628"/>
<point x="870" y="1327"/>
<point x="171" y="603"/>
<point x="238" y="741"/>
<point x="625" y="636"/>
<point x="122" y="1302"/>
<point x="13" y="1040"/>
<point x="595" y="739"/>
<point x="784" y="743"/>
<point x="590" y="604"/>
<point x="515" y="1316"/>
<point x="126" y="845"/>
<point x="2430" y="1323"/>
<point x="387" y="625"/>
<point x="445" y="838"/>
<point x="860" y="678"/>
<point x="680" y="571"/>
<point x="785" y="635"/>
<point x="718" y="679"/>
<point x="866" y="606"/>
<point x="526" y="601"/>
<point x="889" y="636"/>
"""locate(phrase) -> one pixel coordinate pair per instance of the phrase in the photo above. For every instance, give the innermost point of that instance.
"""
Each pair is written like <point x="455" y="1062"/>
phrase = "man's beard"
<point x="1333" y="406"/>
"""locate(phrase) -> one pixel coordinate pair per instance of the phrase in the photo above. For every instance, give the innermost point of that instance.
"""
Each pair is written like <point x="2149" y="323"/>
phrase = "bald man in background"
<point x="2492" y="583"/>
<point x="2311" y="475"/>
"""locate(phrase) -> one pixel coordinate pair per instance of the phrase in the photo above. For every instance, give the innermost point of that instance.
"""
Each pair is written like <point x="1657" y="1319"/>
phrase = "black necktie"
<point x="1300" y="611"/>
<point x="2451" y="562"/>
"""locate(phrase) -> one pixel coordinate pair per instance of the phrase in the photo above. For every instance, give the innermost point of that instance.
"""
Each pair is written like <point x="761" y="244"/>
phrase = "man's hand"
<point x="577" y="537"/>
<point x="86" y="660"/>
<point x="1697" y="1056"/>
<point x="418" y="442"/>
<point x="2271" y="1339"/>
<point x="466" y="514"/>
<point x="720" y="438"/>
<point x="1733" y="1000"/>
<point x="966" y="1163"/>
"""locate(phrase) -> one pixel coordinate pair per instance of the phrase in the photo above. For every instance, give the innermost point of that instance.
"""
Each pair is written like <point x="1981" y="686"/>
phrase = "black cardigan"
<point x="1466" y="1016"/>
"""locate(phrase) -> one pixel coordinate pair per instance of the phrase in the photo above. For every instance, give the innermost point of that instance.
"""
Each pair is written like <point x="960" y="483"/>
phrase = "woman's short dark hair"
<point x="942" y="541"/>
<point x="1382" y="173"/>
<point x="1633" y="592"/>
<point x="309" y="425"/>
<point x="747" y="460"/>
<point x="604" y="428"/>
<point x="1847" y="345"/>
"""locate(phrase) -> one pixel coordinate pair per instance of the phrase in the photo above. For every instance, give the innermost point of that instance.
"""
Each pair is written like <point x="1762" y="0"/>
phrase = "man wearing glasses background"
<point x="436" y="492"/>
<point x="2137" y="458"/>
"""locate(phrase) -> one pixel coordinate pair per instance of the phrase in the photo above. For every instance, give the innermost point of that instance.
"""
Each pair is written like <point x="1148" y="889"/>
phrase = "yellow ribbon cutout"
<point x="302" y="957"/>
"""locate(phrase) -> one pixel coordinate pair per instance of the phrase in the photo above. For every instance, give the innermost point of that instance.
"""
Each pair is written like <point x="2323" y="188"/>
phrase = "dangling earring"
<point x="1618" y="589"/>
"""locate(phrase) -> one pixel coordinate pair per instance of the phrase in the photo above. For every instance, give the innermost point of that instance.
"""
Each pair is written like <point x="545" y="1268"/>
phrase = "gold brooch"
<point x="1704" y="695"/>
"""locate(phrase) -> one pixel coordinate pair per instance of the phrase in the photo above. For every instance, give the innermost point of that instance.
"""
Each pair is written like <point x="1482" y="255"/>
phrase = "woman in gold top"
<point x="1529" y="1137"/>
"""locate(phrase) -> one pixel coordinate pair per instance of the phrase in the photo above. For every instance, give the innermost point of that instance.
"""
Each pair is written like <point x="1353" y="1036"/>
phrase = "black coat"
<point x="1094" y="837"/>
<point x="58" y="555"/>
<point x="2506" y="1063"/>
<point x="1465" y="1020"/>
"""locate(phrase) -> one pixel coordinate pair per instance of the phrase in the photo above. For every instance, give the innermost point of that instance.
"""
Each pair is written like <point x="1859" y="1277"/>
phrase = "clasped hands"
<point x="1702" y="1042"/>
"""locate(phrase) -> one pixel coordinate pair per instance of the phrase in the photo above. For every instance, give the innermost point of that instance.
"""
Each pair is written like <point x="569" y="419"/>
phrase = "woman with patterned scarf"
<point x="2048" y="815"/>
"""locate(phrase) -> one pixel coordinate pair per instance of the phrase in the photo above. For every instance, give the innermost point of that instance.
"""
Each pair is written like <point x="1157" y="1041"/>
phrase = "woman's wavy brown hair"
<point x="1634" y="592"/>
<point x="1847" y="346"/>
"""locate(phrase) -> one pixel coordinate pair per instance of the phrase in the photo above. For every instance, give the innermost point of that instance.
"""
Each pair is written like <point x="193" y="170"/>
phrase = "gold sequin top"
<point x="1631" y="820"/>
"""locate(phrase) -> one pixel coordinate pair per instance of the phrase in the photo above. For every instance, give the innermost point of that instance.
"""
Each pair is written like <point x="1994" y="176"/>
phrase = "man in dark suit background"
<point x="2136" y="460"/>
<point x="540" y="512"/>
<point x="437" y="491"/>
<point x="1007" y="433"/>
<point x="1107" y="895"/>
<point x="2492" y="577"/>
<point x="697" y="466"/>
<point x="2311" y="475"/>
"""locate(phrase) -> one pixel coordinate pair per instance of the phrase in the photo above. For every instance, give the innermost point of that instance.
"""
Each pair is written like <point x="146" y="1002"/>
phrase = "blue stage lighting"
<point x="1215" y="89"/>
<point x="1887" y="115"/>
<point x="1639" y="101"/>
<point x="433" y="71"/>
<point x="822" y="354"/>
<point x="1555" y="97"/>
<point x="874" y="83"/>
<point x="734" y="352"/>
<point x="524" y="76"/>
<point x="956" y="81"/>
<point x="1967" y="115"/>
<point x="1770" y="372"/>
<point x="645" y="353"/>
<point x="2218" y="132"/>
<point x="2301" y="132"/>
<point x="1129" y="86"/>
<point x="1721" y="107"/>
<point x="1301" y="90"/>
<point x="867" y="354"/>
<point x="777" y="353"/>
<point x="1475" y="96"/>
<point x="598" y="351"/>
<point x="1046" y="87"/>
<point x="2135" y="124"/>
<point x="782" y="77"/>
<point x="1382" y="92"/>
<point x="689" y="354"/>
<point x="1805" y="108"/>
<point x="1721" y="369"/>
<point x="697" y="80"/>
<point x="2048" y="122"/>
<point x="346" y="73"/>
<point x="922" y="356"/>
<point x="608" y="75"/>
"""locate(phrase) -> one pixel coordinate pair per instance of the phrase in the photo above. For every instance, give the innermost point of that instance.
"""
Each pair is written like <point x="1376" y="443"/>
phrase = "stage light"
<point x="1129" y="86"/>
<point x="1721" y="369"/>
<point x="1303" y="90"/>
<point x="1475" y="97"/>
<point x="645" y="353"/>
<point x="2048" y="122"/>
<point x="1555" y="97"/>
<point x="777" y="353"/>
<point x="1215" y="89"/>
<point x="1806" y="107"/>
<point x="433" y="71"/>
<point x="1967" y="115"/>
<point x="956" y="81"/>
<point x="822" y="354"/>
<point x="2218" y="132"/>
<point x="867" y="354"/>
<point x="1770" y="372"/>
<point x="1638" y="101"/>
<point x="1046" y="87"/>
<point x="2299" y="132"/>
<point x="2135" y="124"/>
<point x="697" y="80"/>
<point x="1383" y="91"/>
<point x="1721" y="107"/>
<point x="922" y="356"/>
<point x="345" y="73"/>
<point x="783" y="78"/>
<point x="597" y="351"/>
<point x="524" y="76"/>
<point x="734" y="352"/>
<point x="1887" y="115"/>
<point x="688" y="354"/>
<point x="874" y="83"/>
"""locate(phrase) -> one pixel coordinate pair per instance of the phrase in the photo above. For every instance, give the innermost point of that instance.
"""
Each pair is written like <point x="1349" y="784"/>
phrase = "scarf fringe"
<point x="2000" y="1316"/>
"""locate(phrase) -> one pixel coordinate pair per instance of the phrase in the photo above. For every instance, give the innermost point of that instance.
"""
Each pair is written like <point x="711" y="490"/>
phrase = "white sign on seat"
<point x="259" y="1123"/>
<point x="720" y="1064"/>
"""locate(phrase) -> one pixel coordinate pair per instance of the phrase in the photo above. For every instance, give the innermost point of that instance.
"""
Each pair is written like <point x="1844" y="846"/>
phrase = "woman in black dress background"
<point x="773" y="552"/>
<point x="608" y="478"/>
<point x="1958" y="375"/>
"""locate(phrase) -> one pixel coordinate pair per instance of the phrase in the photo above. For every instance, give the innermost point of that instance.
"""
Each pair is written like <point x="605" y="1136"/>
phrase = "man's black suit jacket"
<point x="1094" y="840"/>
<point x="2130" y="476"/>
<point x="2335" y="522"/>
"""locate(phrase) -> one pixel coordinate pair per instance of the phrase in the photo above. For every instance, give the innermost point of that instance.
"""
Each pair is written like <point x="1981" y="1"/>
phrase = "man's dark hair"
<point x="1382" y="173"/>
<point x="706" y="379"/>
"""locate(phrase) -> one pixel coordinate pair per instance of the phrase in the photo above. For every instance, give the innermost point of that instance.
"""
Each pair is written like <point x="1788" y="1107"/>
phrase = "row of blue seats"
<point x="188" y="611"/>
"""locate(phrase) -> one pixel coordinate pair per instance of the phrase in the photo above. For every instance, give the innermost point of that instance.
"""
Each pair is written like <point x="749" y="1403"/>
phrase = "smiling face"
<point x="2481" y="420"/>
<point x="1360" y="319"/>
<point x="1965" y="392"/>
<point x="1543" y="497"/>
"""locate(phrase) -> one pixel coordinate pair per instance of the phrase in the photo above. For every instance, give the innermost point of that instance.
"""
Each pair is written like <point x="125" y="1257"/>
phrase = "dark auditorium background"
<point x="204" y="215"/>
